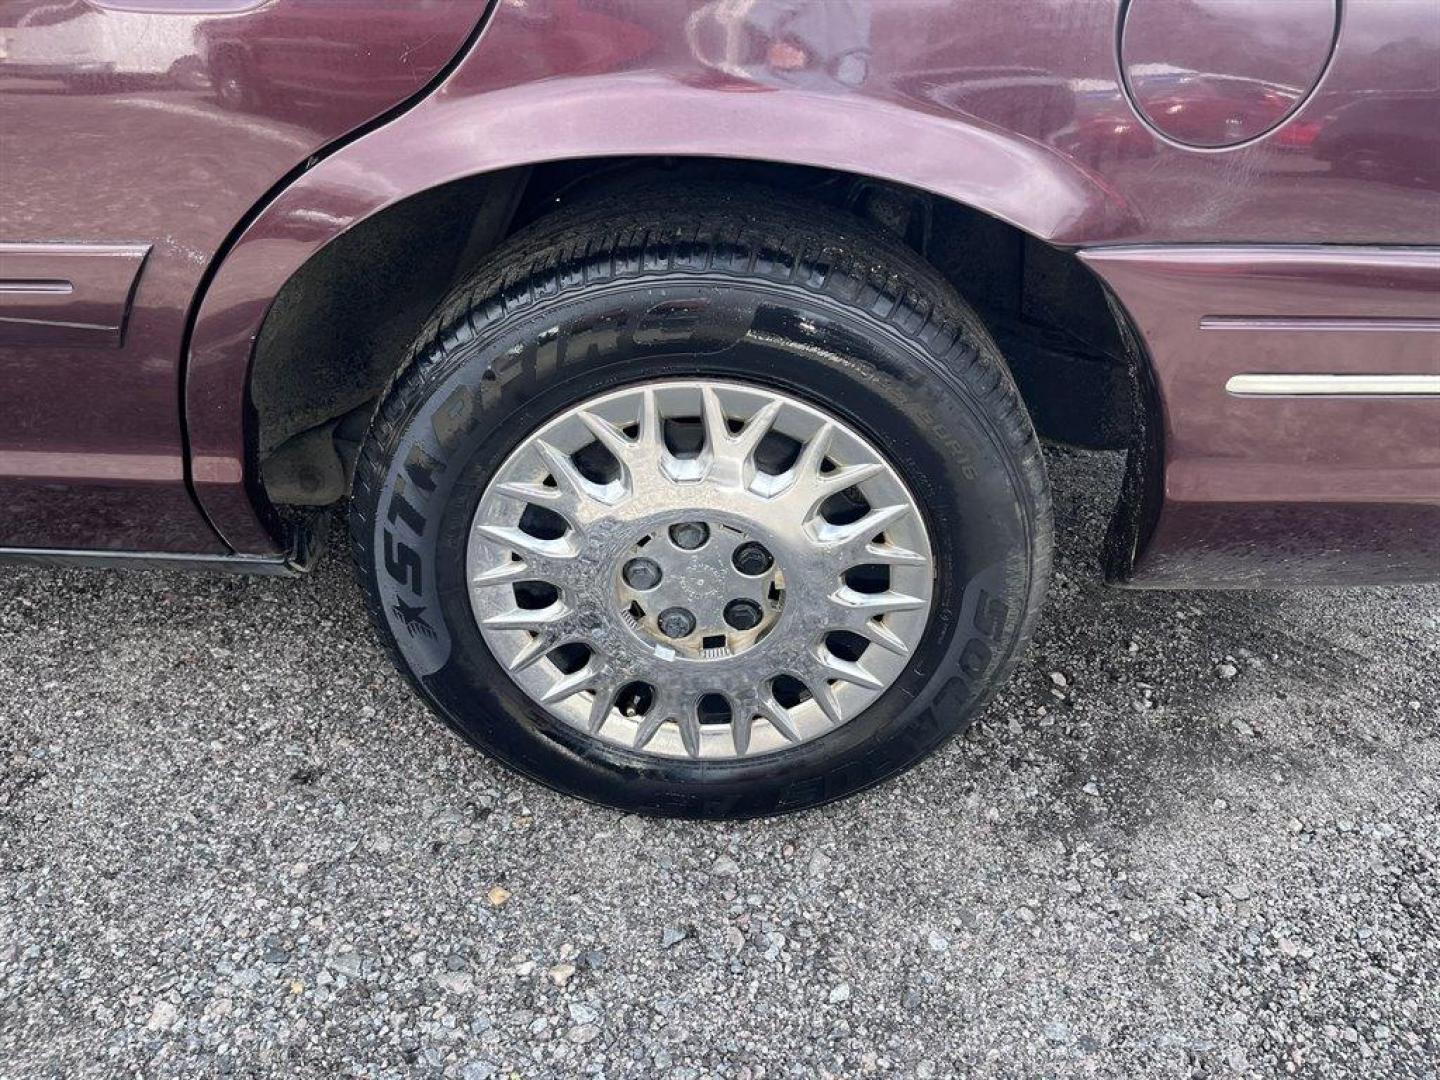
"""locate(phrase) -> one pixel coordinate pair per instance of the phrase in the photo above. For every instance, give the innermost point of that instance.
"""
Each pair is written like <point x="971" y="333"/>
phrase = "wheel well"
<point x="342" y="326"/>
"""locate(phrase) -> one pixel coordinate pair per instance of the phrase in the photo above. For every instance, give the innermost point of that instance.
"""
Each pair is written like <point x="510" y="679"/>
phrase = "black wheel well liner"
<point x="341" y="326"/>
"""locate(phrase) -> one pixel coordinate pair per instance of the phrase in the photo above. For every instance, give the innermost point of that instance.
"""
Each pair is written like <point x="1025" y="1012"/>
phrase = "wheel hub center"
<point x="698" y="589"/>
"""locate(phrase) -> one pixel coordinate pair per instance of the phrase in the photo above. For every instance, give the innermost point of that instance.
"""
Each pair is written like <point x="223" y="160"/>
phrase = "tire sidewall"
<point x="501" y="374"/>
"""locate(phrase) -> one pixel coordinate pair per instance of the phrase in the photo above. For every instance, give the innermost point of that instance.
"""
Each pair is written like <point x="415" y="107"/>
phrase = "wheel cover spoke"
<point x="782" y="574"/>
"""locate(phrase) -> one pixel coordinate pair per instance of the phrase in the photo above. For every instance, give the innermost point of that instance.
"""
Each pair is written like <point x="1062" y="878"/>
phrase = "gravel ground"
<point x="1199" y="834"/>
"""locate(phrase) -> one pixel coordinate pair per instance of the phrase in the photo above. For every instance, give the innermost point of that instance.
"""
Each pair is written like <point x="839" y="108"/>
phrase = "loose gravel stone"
<point x="561" y="974"/>
<point x="232" y="843"/>
<point x="163" y="1016"/>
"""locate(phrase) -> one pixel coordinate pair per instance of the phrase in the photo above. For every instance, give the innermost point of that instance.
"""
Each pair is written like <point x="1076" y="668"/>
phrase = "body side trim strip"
<point x="152" y="560"/>
<point x="1320" y="322"/>
<point x="67" y="294"/>
<point x="1257" y="385"/>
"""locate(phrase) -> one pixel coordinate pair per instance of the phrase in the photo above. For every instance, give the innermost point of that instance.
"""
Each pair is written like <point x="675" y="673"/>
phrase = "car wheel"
<point x="708" y="506"/>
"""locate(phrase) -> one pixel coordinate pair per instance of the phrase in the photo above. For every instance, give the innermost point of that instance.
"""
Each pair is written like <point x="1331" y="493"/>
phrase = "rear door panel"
<point x="156" y="125"/>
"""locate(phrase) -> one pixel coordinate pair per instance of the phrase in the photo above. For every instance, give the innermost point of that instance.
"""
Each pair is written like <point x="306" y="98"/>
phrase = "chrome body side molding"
<point x="1333" y="385"/>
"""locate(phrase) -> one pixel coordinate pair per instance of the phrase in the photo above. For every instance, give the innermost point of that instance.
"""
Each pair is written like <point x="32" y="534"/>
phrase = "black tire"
<point x="902" y="359"/>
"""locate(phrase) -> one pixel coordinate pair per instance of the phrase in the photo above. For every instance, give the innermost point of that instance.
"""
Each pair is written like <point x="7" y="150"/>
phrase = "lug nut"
<point x="752" y="559"/>
<point x="689" y="535"/>
<point x="676" y="622"/>
<point x="642" y="574"/>
<point x="742" y="614"/>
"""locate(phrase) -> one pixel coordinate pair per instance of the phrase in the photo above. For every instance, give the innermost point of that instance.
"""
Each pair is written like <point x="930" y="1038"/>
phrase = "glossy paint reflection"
<point x="1212" y="73"/>
<point x="1042" y="73"/>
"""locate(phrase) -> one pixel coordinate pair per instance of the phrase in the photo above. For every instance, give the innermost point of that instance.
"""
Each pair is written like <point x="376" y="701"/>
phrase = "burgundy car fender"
<point x="447" y="138"/>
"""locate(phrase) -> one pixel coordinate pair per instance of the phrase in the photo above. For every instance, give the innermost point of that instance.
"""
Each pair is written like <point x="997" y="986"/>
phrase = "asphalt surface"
<point x="1198" y="835"/>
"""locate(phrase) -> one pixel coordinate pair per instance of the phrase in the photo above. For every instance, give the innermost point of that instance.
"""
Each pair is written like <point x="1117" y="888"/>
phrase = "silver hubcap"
<point x="700" y="569"/>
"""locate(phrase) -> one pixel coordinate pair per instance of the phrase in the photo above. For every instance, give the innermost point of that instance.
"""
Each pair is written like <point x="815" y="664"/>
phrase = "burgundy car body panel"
<point x="1287" y="490"/>
<point x="67" y="294"/>
<point x="1017" y="109"/>
<point x="162" y="125"/>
